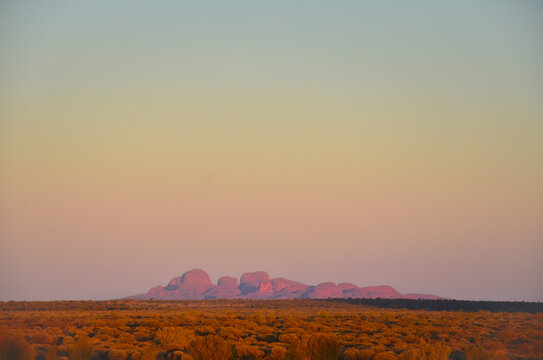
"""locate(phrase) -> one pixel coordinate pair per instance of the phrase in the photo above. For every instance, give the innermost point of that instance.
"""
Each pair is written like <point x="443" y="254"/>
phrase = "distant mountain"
<point x="196" y="284"/>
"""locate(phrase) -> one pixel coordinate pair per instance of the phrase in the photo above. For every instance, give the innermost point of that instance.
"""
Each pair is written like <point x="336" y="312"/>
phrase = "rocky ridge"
<point x="196" y="284"/>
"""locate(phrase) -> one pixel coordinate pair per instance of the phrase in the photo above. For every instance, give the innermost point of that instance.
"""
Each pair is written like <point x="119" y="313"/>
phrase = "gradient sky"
<point x="386" y="142"/>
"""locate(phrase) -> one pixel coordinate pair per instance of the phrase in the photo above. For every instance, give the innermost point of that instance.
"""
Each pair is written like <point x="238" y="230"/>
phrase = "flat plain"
<point x="262" y="329"/>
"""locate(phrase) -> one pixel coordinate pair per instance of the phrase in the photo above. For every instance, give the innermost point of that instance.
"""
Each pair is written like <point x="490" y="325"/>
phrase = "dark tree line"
<point x="448" y="305"/>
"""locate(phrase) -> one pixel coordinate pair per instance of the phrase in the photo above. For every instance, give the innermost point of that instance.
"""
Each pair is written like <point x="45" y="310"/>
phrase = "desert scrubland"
<point x="260" y="329"/>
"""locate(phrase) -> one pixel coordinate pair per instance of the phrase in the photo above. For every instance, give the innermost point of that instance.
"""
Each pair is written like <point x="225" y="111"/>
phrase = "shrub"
<point x="41" y="338"/>
<point x="356" y="354"/>
<point x="288" y="338"/>
<point x="276" y="353"/>
<point x="117" y="355"/>
<point x="177" y="336"/>
<point x="479" y="353"/>
<point x="149" y="353"/>
<point x="297" y="351"/>
<point x="52" y="353"/>
<point x="134" y="355"/>
<point x="15" y="347"/>
<point x="387" y="355"/>
<point x="210" y="348"/>
<point x="247" y="352"/>
<point x="436" y="351"/>
<point x="230" y="332"/>
<point x="350" y="354"/>
<point x="81" y="349"/>
<point x="322" y="347"/>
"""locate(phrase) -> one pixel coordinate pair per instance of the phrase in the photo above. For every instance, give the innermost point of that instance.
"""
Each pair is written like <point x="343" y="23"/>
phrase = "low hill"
<point x="196" y="284"/>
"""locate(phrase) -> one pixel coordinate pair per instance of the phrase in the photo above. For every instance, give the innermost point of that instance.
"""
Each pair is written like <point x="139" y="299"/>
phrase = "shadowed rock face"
<point x="191" y="285"/>
<point x="227" y="288"/>
<point x="196" y="284"/>
<point x="287" y="289"/>
<point x="254" y="281"/>
<point x="324" y="291"/>
<point x="193" y="279"/>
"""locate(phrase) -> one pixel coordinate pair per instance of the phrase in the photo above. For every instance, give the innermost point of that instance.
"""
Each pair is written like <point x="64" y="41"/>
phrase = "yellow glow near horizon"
<point x="335" y="145"/>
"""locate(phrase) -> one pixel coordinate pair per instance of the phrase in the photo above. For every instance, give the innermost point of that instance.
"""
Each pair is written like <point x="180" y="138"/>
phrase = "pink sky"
<point x="358" y="143"/>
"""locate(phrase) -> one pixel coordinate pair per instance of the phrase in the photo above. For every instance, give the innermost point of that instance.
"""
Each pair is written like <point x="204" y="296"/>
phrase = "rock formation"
<point x="196" y="284"/>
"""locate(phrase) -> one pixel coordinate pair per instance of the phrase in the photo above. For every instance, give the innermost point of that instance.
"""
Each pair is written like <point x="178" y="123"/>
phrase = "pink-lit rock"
<point x="324" y="291"/>
<point x="250" y="281"/>
<point x="196" y="284"/>
<point x="227" y="288"/>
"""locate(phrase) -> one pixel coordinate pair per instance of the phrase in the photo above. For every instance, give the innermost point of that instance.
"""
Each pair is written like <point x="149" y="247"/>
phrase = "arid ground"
<point x="258" y="329"/>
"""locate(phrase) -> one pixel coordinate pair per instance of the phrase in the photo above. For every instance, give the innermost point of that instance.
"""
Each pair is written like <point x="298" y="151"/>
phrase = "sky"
<point x="382" y="142"/>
